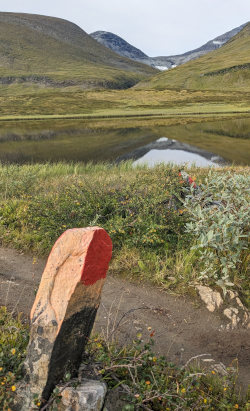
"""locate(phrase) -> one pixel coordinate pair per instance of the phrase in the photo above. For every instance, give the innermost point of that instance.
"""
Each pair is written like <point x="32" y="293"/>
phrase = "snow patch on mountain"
<point x="162" y="68"/>
<point x="217" y="42"/>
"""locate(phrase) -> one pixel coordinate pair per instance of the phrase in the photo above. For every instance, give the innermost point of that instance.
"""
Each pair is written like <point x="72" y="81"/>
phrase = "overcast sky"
<point x="157" y="27"/>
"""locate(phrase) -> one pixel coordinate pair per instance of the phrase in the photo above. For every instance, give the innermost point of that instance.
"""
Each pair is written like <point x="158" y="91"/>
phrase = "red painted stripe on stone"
<point x="98" y="257"/>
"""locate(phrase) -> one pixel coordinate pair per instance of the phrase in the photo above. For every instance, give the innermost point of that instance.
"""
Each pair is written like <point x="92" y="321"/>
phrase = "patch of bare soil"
<point x="182" y="330"/>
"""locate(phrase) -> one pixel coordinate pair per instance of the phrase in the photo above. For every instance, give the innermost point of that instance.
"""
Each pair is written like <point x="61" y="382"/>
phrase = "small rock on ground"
<point x="88" y="396"/>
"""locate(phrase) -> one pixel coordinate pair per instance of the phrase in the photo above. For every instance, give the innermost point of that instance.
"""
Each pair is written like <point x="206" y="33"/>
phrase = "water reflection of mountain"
<point x="173" y="149"/>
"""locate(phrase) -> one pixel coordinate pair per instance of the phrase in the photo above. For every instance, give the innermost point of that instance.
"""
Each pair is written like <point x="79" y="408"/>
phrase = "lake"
<point x="204" y="143"/>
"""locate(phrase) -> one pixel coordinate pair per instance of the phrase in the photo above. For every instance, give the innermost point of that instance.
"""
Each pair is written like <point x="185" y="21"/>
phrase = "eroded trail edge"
<point x="182" y="330"/>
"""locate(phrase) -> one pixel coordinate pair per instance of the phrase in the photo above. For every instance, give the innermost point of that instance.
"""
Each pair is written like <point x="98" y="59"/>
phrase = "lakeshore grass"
<point x="40" y="202"/>
<point x="18" y="101"/>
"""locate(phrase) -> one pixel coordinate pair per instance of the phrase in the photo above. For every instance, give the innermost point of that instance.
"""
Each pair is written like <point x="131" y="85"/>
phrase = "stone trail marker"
<point x="65" y="307"/>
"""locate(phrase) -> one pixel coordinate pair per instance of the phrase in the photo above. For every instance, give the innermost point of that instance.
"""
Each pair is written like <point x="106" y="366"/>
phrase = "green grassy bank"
<point x="142" y="209"/>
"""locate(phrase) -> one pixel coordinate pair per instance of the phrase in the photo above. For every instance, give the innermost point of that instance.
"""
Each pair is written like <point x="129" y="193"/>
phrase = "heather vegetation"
<point x="161" y="231"/>
<point x="144" y="380"/>
<point x="14" y="336"/>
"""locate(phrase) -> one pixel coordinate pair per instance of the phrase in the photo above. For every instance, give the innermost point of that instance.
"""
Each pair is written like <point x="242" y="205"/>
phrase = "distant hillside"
<point x="227" y="68"/>
<point x="52" y="51"/>
<point x="120" y="46"/>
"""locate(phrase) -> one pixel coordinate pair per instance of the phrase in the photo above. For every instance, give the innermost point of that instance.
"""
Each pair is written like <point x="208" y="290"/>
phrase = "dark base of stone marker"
<point x="69" y="347"/>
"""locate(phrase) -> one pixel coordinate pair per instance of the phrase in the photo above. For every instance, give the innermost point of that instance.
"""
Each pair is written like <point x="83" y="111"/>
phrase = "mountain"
<point x="123" y="48"/>
<point x="120" y="46"/>
<point x="211" y="45"/>
<point x="56" y="52"/>
<point x="227" y="68"/>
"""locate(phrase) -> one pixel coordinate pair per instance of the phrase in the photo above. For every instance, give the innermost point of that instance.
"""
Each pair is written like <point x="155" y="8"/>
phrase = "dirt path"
<point x="181" y="329"/>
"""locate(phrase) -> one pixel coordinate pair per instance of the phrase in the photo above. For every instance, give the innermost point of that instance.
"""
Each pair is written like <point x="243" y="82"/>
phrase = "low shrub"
<point x="13" y="341"/>
<point x="142" y="209"/>
<point x="131" y="206"/>
<point x="150" y="382"/>
<point x="145" y="380"/>
<point x="219" y="220"/>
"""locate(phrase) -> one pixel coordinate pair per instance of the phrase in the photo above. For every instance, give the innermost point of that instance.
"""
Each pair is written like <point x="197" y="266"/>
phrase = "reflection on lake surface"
<point x="165" y="150"/>
<point x="154" y="157"/>
<point x="206" y="143"/>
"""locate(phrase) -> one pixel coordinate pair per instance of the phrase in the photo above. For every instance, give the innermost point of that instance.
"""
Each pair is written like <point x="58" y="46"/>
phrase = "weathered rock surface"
<point x="88" y="396"/>
<point x="211" y="298"/>
<point x="65" y="308"/>
<point x="234" y="313"/>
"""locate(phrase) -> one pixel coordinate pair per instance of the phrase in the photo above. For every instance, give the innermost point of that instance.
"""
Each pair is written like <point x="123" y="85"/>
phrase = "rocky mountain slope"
<point x="123" y="48"/>
<point x="56" y="52"/>
<point x="211" y="45"/>
<point x="117" y="44"/>
<point x="227" y="68"/>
